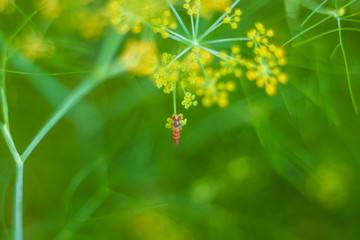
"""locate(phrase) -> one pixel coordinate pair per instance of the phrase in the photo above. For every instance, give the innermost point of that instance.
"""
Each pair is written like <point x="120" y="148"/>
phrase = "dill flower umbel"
<point x="50" y="9"/>
<point x="35" y="47"/>
<point x="213" y="82"/>
<point x="140" y="57"/>
<point x="265" y="69"/>
<point x="129" y="15"/>
<point x="200" y="70"/>
<point x="168" y="72"/>
<point x="232" y="18"/>
<point x="90" y="24"/>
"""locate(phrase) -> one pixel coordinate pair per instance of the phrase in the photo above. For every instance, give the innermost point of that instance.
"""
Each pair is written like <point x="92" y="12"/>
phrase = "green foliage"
<point x="101" y="165"/>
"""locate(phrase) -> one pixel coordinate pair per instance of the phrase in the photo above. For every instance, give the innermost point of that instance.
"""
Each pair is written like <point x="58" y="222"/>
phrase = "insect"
<point x="176" y="130"/>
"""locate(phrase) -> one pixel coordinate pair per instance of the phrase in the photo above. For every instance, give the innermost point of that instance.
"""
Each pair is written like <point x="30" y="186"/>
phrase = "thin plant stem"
<point x="347" y="68"/>
<point x="18" y="193"/>
<point x="197" y="20"/>
<point x="46" y="74"/>
<point x="348" y="4"/>
<point x="324" y="34"/>
<point x="350" y="20"/>
<point x="173" y="35"/>
<point x="313" y="12"/>
<point x="193" y="27"/>
<point x="217" y="54"/>
<point x="210" y="30"/>
<point x="178" y="18"/>
<point x="179" y="56"/>
<point x="179" y="36"/>
<point x="308" y="29"/>
<point x="18" y="232"/>
<point x="10" y="143"/>
<point x="227" y="40"/>
<point x="75" y="97"/>
<point x="334" y="51"/>
<point x="203" y="68"/>
<point x="207" y="32"/>
<point x="84" y="213"/>
<point x="352" y="15"/>
<point x="177" y="39"/>
<point x="4" y="105"/>
<point x="174" y="98"/>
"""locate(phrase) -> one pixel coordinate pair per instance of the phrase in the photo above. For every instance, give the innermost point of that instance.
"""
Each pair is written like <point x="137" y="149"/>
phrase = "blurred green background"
<point x="284" y="167"/>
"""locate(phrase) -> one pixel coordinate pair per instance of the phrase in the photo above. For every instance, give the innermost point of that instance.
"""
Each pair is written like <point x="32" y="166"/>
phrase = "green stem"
<point x="18" y="194"/>
<point x="18" y="233"/>
<point x="197" y="20"/>
<point x="179" y="56"/>
<point x="210" y="30"/>
<point x="10" y="143"/>
<point x="193" y="27"/>
<point x="308" y="29"/>
<point x="4" y="106"/>
<point x="174" y="99"/>
<point x="313" y="12"/>
<point x="227" y="40"/>
<point x="179" y="36"/>
<point x="215" y="24"/>
<point x="75" y="97"/>
<point x="347" y="68"/>
<point x="178" y="18"/>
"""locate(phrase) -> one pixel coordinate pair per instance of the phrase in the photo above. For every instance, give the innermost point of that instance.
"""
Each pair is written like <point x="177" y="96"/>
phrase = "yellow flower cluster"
<point x="232" y="19"/>
<point x="140" y="57"/>
<point x="189" y="100"/>
<point x="90" y="24"/>
<point x="162" y="23"/>
<point x="168" y="72"/>
<point x="50" y="9"/>
<point x="191" y="6"/>
<point x="35" y="47"/>
<point x="266" y="69"/>
<point x="196" y="58"/>
<point x="120" y="20"/>
<point x="169" y="121"/>
<point x="210" y="7"/>
<point x="213" y="90"/>
<point x="259" y="36"/>
<point x="231" y="64"/>
<point x="129" y="15"/>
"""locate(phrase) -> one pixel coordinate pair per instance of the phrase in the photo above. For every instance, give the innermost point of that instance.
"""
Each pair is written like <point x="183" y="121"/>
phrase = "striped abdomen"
<point x="176" y="130"/>
<point x="176" y="135"/>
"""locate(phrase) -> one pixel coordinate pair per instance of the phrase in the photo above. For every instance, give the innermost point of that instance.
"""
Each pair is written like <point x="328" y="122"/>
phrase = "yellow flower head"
<point x="51" y="9"/>
<point x="259" y="36"/>
<point x="129" y="15"/>
<point x="189" y="100"/>
<point x="232" y="17"/>
<point x="90" y="24"/>
<point x="266" y="68"/>
<point x="35" y="47"/>
<point x="168" y="72"/>
<point x="231" y="63"/>
<point x="191" y="6"/>
<point x="213" y="91"/>
<point x="140" y="57"/>
<point x="161" y="24"/>
<point x="210" y="7"/>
